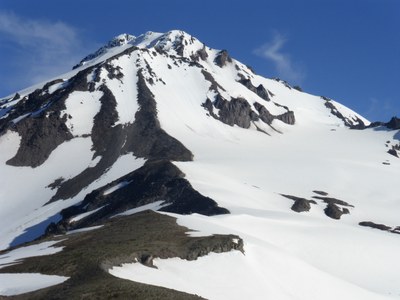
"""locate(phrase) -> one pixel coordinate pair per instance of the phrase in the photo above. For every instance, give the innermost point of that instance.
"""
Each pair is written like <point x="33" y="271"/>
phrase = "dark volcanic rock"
<point x="331" y="200"/>
<point x="393" y="152"/>
<point x="222" y="58"/>
<point x="238" y="112"/>
<point x="322" y="193"/>
<point x="375" y="225"/>
<point x="345" y="211"/>
<point x="155" y="181"/>
<point x="300" y="204"/>
<point x="146" y="138"/>
<point x="333" y="211"/>
<point x="210" y="107"/>
<point x="202" y="53"/>
<point x="356" y="123"/>
<point x="214" y="85"/>
<point x="287" y="117"/>
<point x="235" y="112"/>
<point x="394" y="123"/>
<point x="261" y="91"/>
<point x="39" y="137"/>
<point x="264" y="114"/>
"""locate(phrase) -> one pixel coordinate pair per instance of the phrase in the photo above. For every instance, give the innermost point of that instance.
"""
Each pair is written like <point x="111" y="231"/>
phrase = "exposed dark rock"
<point x="355" y="123"/>
<point x="285" y="83"/>
<point x="50" y="83"/>
<point x="202" y="53"/>
<point x="376" y="124"/>
<point x="263" y="92"/>
<point x="155" y="181"/>
<point x="333" y="211"/>
<point x="296" y="87"/>
<point x="300" y="204"/>
<point x="264" y="114"/>
<point x="394" y="123"/>
<point x="260" y="90"/>
<point x="208" y="105"/>
<point x="238" y="112"/>
<point x="326" y="98"/>
<point x="16" y="97"/>
<point x="214" y="85"/>
<point x="251" y="69"/>
<point x="147" y="260"/>
<point x="322" y="193"/>
<point x="375" y="225"/>
<point x="235" y="112"/>
<point x="330" y="200"/>
<point x="222" y="58"/>
<point x="146" y="138"/>
<point x="179" y="46"/>
<point x="287" y="117"/>
<point x="102" y="132"/>
<point x="393" y="152"/>
<point x="112" y="71"/>
<point x="39" y="137"/>
<point x="56" y="183"/>
<point x="396" y="230"/>
<point x="216" y="244"/>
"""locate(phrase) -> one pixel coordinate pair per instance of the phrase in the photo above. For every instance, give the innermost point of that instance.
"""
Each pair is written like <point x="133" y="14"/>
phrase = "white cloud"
<point x="39" y="49"/>
<point x="283" y="63"/>
<point x="380" y="109"/>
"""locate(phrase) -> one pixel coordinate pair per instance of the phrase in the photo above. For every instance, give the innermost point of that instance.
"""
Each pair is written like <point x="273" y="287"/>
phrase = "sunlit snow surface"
<point x="19" y="283"/>
<point x="15" y="256"/>
<point x="14" y="284"/>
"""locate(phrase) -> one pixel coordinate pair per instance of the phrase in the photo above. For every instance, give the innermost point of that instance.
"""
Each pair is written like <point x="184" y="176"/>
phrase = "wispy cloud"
<point x="381" y="109"/>
<point x="39" y="49"/>
<point x="273" y="52"/>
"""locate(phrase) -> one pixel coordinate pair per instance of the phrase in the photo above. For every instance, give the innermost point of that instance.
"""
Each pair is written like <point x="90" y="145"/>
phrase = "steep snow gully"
<point x="257" y="189"/>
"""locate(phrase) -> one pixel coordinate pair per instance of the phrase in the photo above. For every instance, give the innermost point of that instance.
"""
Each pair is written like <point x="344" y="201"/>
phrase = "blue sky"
<point x="348" y="50"/>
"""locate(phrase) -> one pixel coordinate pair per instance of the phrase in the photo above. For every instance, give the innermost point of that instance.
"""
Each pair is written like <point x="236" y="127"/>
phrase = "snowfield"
<point x="15" y="284"/>
<point x="20" y="283"/>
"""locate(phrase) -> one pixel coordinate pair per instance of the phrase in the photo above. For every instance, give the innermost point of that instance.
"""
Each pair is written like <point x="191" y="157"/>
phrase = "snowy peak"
<point x="118" y="41"/>
<point x="162" y="122"/>
<point x="175" y="42"/>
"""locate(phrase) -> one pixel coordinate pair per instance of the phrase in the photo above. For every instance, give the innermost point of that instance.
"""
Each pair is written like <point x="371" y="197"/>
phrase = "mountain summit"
<point x="163" y="161"/>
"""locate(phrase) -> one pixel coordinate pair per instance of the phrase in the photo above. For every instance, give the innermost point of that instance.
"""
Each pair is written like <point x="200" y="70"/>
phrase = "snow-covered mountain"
<point x="261" y="190"/>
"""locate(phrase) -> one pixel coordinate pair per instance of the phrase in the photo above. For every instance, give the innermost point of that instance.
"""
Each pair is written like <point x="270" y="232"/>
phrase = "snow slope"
<point x="15" y="284"/>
